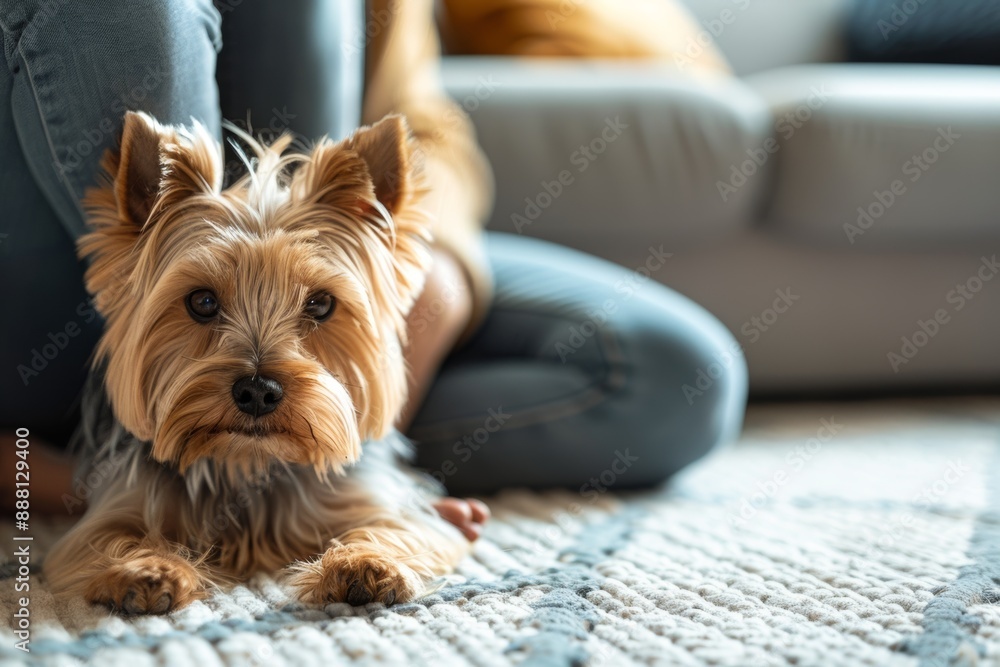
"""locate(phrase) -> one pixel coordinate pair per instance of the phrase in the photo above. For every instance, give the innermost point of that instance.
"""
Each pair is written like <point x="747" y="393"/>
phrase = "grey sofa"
<point x="842" y="220"/>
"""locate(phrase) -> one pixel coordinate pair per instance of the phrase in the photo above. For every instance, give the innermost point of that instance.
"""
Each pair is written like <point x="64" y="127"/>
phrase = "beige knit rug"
<point x="837" y="534"/>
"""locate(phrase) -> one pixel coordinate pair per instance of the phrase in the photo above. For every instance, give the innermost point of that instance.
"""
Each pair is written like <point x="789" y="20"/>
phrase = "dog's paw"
<point x="147" y="585"/>
<point x="354" y="574"/>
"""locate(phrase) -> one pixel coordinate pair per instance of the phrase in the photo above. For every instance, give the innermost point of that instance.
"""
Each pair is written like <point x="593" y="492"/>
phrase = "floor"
<point x="831" y="534"/>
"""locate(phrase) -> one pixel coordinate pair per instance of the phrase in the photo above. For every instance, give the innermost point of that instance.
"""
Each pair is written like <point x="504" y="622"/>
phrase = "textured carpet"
<point x="864" y="534"/>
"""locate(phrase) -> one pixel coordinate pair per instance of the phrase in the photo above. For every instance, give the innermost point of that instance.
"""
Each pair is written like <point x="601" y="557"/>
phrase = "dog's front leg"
<point x="390" y="558"/>
<point x="111" y="558"/>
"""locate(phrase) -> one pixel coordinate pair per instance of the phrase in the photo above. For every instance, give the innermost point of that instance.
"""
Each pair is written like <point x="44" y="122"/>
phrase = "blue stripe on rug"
<point x="949" y="629"/>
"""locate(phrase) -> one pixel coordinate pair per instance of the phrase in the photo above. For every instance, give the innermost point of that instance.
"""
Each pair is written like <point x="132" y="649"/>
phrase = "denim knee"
<point x="153" y="32"/>
<point x="77" y="67"/>
<point x="157" y="53"/>
<point x="687" y="387"/>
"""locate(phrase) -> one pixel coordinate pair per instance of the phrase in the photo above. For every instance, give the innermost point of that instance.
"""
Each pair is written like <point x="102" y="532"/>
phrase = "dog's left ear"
<point x="379" y="156"/>
<point x="375" y="168"/>
<point x="386" y="150"/>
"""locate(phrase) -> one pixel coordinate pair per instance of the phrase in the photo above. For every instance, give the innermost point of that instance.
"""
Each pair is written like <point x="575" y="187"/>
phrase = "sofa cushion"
<point x="885" y="156"/>
<point x="592" y="148"/>
<point x="925" y="31"/>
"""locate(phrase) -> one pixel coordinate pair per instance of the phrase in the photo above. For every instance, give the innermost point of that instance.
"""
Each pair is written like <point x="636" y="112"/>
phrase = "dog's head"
<point x="264" y="321"/>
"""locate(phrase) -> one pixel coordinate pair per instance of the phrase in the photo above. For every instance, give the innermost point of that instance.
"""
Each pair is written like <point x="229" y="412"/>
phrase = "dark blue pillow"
<point x="925" y="31"/>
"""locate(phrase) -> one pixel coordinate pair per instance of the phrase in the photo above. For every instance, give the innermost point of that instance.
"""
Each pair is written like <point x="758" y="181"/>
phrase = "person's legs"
<point x="295" y="66"/>
<point x="49" y="329"/>
<point x="577" y="379"/>
<point x="79" y="65"/>
<point x="70" y="70"/>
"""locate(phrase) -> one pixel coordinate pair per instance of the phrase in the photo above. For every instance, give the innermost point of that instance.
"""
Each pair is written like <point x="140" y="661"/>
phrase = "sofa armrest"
<point x="589" y="154"/>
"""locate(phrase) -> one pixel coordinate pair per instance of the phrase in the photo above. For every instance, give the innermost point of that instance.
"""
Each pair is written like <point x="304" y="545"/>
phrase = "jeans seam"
<point x="45" y="127"/>
<point x="593" y="394"/>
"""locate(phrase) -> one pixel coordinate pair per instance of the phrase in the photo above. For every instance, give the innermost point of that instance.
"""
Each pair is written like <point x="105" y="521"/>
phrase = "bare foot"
<point x="468" y="515"/>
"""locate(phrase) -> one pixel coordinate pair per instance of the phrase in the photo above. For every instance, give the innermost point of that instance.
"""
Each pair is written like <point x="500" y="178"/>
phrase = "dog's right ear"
<point x="157" y="165"/>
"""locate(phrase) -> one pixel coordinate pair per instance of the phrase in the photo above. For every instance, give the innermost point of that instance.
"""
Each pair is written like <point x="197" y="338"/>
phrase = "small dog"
<point x="252" y="344"/>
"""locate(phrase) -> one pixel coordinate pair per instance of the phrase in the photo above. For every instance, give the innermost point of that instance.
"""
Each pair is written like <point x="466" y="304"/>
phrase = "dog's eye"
<point x="320" y="306"/>
<point x="202" y="305"/>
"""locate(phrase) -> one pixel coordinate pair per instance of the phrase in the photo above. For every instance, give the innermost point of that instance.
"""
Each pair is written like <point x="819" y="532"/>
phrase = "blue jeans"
<point x="577" y="379"/>
<point x="583" y="375"/>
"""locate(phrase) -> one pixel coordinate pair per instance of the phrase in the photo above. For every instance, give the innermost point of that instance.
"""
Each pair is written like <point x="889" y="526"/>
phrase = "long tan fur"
<point x="201" y="493"/>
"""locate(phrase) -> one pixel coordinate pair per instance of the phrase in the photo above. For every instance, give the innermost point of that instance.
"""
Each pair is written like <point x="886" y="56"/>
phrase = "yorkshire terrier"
<point x="241" y="410"/>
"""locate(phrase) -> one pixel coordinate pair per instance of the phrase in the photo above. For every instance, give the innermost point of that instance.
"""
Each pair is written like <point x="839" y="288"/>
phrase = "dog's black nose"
<point x="257" y="395"/>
